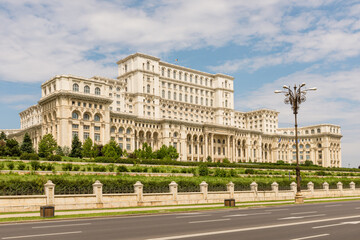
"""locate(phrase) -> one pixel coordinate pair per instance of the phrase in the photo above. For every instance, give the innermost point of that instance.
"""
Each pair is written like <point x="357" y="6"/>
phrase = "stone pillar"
<point x="228" y="156"/>
<point x="339" y="186"/>
<point x="204" y="189"/>
<point x="352" y="186"/>
<point x="233" y="151"/>
<point x="198" y="151"/>
<point x="138" y="190"/>
<point x="50" y="192"/>
<point x="231" y="189"/>
<point x="212" y="147"/>
<point x="310" y="187"/>
<point x="173" y="186"/>
<point x="293" y="187"/>
<point x="206" y="147"/>
<point x="254" y="187"/>
<point x="326" y="186"/>
<point x="97" y="190"/>
<point x="275" y="187"/>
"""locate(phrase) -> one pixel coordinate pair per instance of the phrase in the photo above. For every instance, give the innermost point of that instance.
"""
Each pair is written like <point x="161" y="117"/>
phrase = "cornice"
<point x="87" y="97"/>
<point x="138" y="55"/>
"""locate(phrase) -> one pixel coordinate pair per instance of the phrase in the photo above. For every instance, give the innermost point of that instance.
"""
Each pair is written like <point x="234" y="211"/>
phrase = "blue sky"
<point x="263" y="44"/>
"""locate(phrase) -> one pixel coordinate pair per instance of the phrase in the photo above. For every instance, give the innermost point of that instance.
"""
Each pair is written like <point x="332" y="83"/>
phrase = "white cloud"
<point x="8" y="99"/>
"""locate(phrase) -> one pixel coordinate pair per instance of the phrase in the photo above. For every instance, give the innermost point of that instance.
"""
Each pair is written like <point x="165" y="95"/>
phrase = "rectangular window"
<point x="128" y="147"/>
<point x="86" y="135"/>
<point x="97" y="137"/>
<point x="75" y="133"/>
<point x="120" y="139"/>
<point x="128" y="139"/>
<point x="75" y="126"/>
<point x="86" y="127"/>
<point x="96" y="128"/>
<point x="121" y="145"/>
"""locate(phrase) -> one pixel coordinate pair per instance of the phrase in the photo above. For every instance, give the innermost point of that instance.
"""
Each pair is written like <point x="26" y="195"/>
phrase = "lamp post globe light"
<point x="295" y="97"/>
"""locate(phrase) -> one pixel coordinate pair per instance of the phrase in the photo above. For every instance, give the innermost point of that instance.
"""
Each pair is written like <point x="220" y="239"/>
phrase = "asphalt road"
<point x="340" y="220"/>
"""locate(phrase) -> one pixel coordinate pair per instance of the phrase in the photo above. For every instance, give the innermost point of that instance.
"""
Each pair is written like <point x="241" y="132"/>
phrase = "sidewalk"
<point x="139" y="209"/>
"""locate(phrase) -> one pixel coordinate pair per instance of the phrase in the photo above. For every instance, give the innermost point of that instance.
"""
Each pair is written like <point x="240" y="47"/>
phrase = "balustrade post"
<point x="50" y="192"/>
<point x="204" y="189"/>
<point x="173" y="186"/>
<point x="138" y="190"/>
<point x="231" y="188"/>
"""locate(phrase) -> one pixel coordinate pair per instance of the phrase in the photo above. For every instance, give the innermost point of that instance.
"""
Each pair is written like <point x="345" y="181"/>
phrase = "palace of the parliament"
<point x="161" y="103"/>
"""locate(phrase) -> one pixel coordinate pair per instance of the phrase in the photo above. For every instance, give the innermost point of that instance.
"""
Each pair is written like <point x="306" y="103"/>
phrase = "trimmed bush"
<point x="29" y="156"/>
<point x="55" y="158"/>
<point x="122" y="169"/>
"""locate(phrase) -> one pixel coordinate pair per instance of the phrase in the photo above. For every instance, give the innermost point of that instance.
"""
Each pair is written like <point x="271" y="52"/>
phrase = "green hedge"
<point x="13" y="184"/>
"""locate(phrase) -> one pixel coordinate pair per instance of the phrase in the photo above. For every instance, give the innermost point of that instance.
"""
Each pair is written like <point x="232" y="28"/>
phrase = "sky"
<point x="263" y="44"/>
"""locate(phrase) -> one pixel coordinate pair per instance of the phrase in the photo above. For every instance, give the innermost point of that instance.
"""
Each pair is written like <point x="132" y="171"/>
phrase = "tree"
<point x="112" y="149"/>
<point x="87" y="148"/>
<point x="59" y="151"/>
<point x="208" y="159"/>
<point x="12" y="147"/>
<point x="27" y="145"/>
<point x="3" y="136"/>
<point x="172" y="153"/>
<point x="145" y="152"/>
<point x="47" y="145"/>
<point x="203" y="170"/>
<point x="2" y="148"/>
<point x="66" y="150"/>
<point x="166" y="153"/>
<point x="76" y="150"/>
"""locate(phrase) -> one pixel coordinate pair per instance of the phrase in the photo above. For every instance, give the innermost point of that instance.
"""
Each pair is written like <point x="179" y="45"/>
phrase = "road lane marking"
<point x="337" y="205"/>
<point x="42" y="235"/>
<point x="214" y="220"/>
<point x="253" y="228"/>
<point x="314" y="236"/>
<point x="300" y="217"/>
<point x="67" y="225"/>
<point x="246" y="214"/>
<point x="299" y="213"/>
<point x="275" y="210"/>
<point x="337" y="224"/>
<point x="192" y="216"/>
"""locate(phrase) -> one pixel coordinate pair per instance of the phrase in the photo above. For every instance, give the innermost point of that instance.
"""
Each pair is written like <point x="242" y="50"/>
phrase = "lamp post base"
<point x="299" y="198"/>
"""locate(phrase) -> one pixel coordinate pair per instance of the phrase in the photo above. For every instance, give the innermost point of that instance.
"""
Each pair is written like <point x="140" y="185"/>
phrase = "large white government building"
<point x="161" y="103"/>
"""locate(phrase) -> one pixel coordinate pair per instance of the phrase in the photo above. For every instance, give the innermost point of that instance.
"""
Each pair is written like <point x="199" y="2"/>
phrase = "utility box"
<point x="229" y="202"/>
<point x="47" y="211"/>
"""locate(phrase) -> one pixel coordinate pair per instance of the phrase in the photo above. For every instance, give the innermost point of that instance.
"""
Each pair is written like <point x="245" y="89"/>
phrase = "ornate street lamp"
<point x="295" y="98"/>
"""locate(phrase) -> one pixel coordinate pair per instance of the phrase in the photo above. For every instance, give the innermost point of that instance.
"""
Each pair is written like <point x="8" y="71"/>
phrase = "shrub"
<point x="67" y="167"/>
<point x="155" y="169"/>
<point x="21" y="165"/>
<point x="122" y="169"/>
<point x="35" y="165"/>
<point x="54" y="158"/>
<point x="1" y="166"/>
<point x="249" y="171"/>
<point x="225" y="160"/>
<point x="111" y="167"/>
<point x="11" y="165"/>
<point x="76" y="168"/>
<point x="29" y="156"/>
<point x="203" y="170"/>
<point x="98" y="168"/>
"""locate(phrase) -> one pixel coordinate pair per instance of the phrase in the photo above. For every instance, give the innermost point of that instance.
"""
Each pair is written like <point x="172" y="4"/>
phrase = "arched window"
<point x="174" y="95"/>
<point x="168" y="74"/>
<point x="97" y="118"/>
<point x="174" y="74"/>
<point x="148" y="66"/>
<point x="185" y="77"/>
<point x="112" y="129"/>
<point x="75" y="87"/>
<point x="128" y="131"/>
<point x="148" y="88"/>
<point x="86" y="116"/>
<point x="97" y="91"/>
<point x="180" y="97"/>
<point x="121" y="130"/>
<point x="163" y="72"/>
<point x="163" y="93"/>
<point x="169" y="94"/>
<point x="86" y="89"/>
<point x="75" y="115"/>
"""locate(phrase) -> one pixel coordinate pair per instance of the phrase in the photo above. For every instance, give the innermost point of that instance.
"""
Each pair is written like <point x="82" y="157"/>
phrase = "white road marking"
<point x="275" y="210"/>
<point x="357" y="208"/>
<point x="247" y="214"/>
<point x="337" y="205"/>
<point x="299" y="213"/>
<point x="214" y="220"/>
<point x="253" y="228"/>
<point x="41" y="235"/>
<point x="300" y="217"/>
<point x="191" y="216"/>
<point x="67" y="225"/>
<point x="314" y="236"/>
<point x="337" y="224"/>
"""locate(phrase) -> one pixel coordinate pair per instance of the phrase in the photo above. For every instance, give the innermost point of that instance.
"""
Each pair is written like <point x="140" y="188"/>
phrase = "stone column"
<point x="254" y="187"/>
<point x="339" y="186"/>
<point x="204" y="189"/>
<point x="212" y="147"/>
<point x="206" y="146"/>
<point x="138" y="190"/>
<point x="293" y="187"/>
<point x="50" y="192"/>
<point x="230" y="188"/>
<point x="275" y="187"/>
<point x="352" y="186"/>
<point x="228" y="156"/>
<point x="326" y="186"/>
<point x="97" y="190"/>
<point x="310" y="187"/>
<point x="198" y="151"/>
<point x="233" y="151"/>
<point x="173" y="186"/>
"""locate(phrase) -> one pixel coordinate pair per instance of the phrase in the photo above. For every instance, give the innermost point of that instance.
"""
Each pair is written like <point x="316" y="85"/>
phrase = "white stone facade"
<point x="161" y="103"/>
